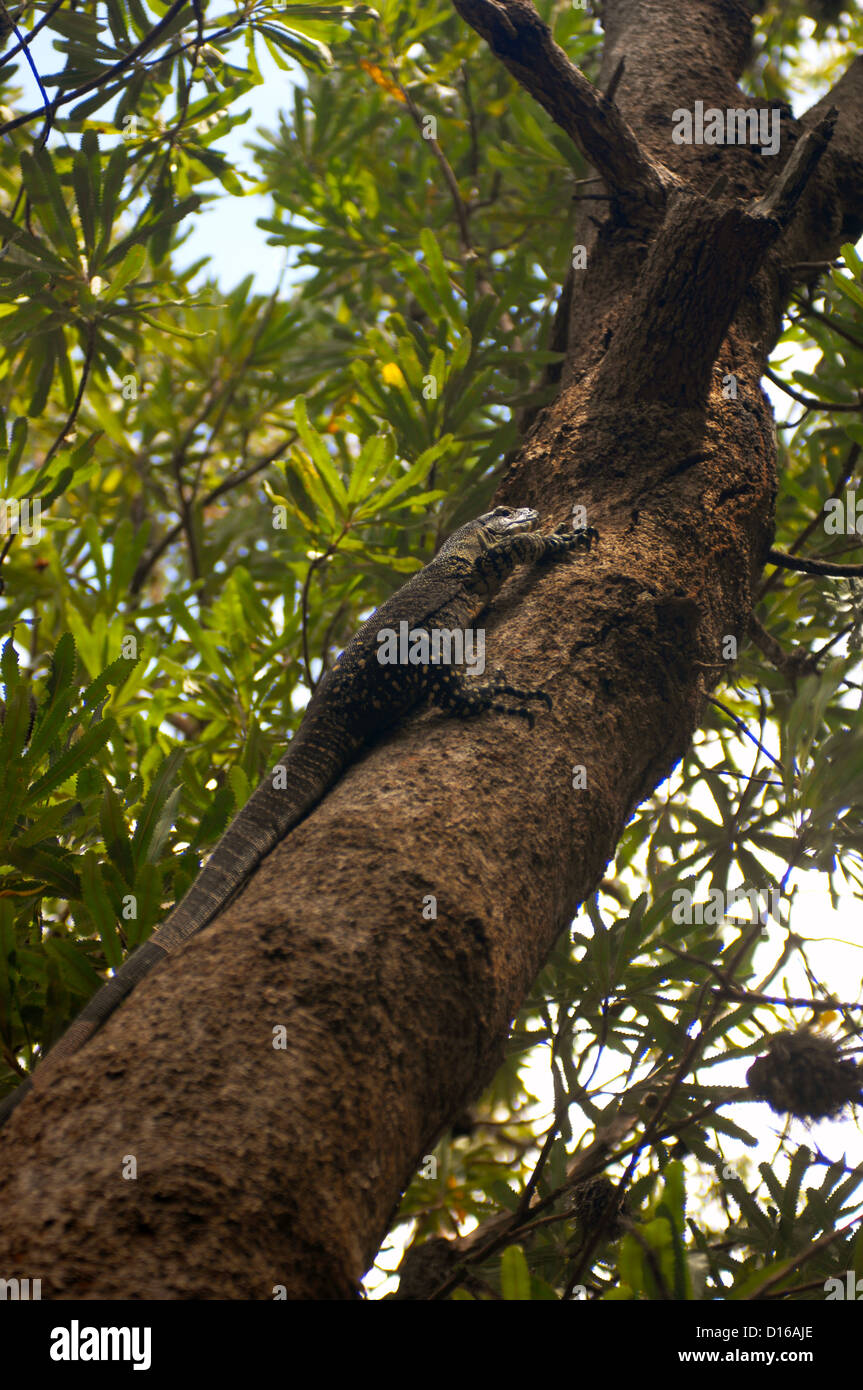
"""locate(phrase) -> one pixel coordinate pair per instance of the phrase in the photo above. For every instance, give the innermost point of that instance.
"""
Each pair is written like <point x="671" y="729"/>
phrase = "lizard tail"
<point x="309" y="768"/>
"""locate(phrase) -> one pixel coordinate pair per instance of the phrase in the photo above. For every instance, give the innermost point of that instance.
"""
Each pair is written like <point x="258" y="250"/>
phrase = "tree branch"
<point x="824" y="567"/>
<point x="518" y="37"/>
<point x="797" y="662"/>
<point x="235" y="480"/>
<point x="845" y="161"/>
<point x="809" y="401"/>
<point x="697" y="271"/>
<point x="846" y="473"/>
<point x="780" y="201"/>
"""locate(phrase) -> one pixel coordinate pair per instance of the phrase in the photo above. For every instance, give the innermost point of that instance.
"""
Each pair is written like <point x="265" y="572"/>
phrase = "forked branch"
<point x="517" y="36"/>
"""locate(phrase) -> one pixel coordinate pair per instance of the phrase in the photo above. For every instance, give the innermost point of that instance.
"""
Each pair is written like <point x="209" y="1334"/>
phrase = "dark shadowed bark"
<point x="259" y="1167"/>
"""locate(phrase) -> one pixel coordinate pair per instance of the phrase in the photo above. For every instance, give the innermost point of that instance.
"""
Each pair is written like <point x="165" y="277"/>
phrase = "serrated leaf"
<point x="240" y="786"/>
<point x="101" y="909"/>
<point x="75" y="968"/>
<point x="43" y="185"/>
<point x="215" y="819"/>
<point x="155" y="802"/>
<point x="145" y="231"/>
<point x="114" y="676"/>
<point x="56" y="870"/>
<point x="115" y="834"/>
<point x="53" y="713"/>
<point x="74" y="758"/>
<point x="40" y="252"/>
<point x="86" y="198"/>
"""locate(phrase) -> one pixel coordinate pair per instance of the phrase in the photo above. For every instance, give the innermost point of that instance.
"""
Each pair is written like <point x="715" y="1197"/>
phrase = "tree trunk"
<point x="257" y="1166"/>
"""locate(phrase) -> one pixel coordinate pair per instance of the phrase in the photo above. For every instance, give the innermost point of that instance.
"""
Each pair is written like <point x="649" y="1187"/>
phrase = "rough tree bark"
<point x="258" y="1167"/>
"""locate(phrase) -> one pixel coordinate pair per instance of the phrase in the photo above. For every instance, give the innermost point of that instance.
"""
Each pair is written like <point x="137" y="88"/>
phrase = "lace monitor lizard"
<point x="356" y="700"/>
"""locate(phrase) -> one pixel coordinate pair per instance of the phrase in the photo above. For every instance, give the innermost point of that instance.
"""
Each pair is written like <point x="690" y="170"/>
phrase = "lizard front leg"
<point x="463" y="695"/>
<point x="498" y="560"/>
<point x="451" y="689"/>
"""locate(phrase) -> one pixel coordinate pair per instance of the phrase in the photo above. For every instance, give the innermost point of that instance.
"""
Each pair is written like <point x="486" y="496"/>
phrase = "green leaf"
<point x="75" y="968"/>
<point x="852" y="260"/>
<point x="86" y="196"/>
<point x="436" y="268"/>
<point x="42" y="377"/>
<point x="114" y="675"/>
<point x="39" y="252"/>
<point x="823" y="389"/>
<point x="13" y="768"/>
<point x="320" y="455"/>
<point x="310" y="52"/>
<point x="115" y="834"/>
<point x="155" y="802"/>
<point x="17" y="443"/>
<point x="145" y="231"/>
<point x="43" y="185"/>
<point x="514" y="1275"/>
<point x="848" y="288"/>
<point x="74" y="758"/>
<point x="129" y="269"/>
<point x="101" y="909"/>
<point x="240" y="786"/>
<point x="111" y="184"/>
<point x="54" y="868"/>
<point x="53" y="713"/>
<point x="414" y="475"/>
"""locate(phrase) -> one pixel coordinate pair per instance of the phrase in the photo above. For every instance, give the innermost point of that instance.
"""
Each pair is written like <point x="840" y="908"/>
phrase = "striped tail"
<point x="315" y="760"/>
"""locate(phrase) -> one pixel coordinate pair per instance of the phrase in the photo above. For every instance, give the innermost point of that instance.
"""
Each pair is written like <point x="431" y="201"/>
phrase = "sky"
<point x="223" y="227"/>
<point x="231" y="222"/>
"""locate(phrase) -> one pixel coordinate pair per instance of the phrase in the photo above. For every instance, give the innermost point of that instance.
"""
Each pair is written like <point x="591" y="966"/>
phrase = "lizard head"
<point x="492" y="526"/>
<point x="508" y="521"/>
<point x="504" y="521"/>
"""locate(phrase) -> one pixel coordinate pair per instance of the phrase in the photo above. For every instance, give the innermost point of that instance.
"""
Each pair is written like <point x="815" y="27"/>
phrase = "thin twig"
<point x="792" y="664"/>
<point x="815" y="1248"/>
<point x="146" y="564"/>
<point x="744" y="730"/>
<point x="687" y="1061"/>
<point x="845" y="475"/>
<point x="72" y="417"/>
<point x="24" y="40"/>
<point x="469" y="253"/>
<point x="104" y="77"/>
<point x="524" y="44"/>
<point x="809" y="309"/>
<point x="822" y="567"/>
<point x="809" y="401"/>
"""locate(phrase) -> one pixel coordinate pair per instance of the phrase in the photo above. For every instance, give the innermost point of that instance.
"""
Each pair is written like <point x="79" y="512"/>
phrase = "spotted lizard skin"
<point x="357" y="699"/>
